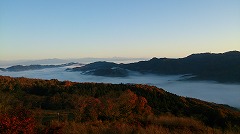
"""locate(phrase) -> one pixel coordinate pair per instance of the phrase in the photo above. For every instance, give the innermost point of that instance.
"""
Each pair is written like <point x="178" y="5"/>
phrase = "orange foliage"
<point x="16" y="122"/>
<point x="67" y="83"/>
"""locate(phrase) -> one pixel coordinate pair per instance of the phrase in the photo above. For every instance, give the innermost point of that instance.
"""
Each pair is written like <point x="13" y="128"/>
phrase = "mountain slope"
<point x="134" y="105"/>
<point x="222" y="67"/>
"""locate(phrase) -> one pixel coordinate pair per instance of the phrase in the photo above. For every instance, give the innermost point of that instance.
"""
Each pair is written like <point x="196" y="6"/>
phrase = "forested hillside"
<point x="52" y="106"/>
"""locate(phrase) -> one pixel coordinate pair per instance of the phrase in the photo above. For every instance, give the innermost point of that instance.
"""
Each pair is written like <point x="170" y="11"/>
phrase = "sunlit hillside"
<point x="52" y="106"/>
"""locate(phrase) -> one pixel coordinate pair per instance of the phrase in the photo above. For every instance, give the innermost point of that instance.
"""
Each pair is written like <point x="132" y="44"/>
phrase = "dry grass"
<point x="157" y="125"/>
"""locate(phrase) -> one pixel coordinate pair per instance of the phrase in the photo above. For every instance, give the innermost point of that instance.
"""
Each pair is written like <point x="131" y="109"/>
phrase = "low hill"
<point x="70" y="107"/>
<point x="2" y="69"/>
<point x="102" y="68"/>
<point x="18" y="68"/>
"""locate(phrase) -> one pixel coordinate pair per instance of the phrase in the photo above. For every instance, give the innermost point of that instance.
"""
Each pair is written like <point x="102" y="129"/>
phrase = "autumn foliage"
<point x="52" y="106"/>
<point x="17" y="121"/>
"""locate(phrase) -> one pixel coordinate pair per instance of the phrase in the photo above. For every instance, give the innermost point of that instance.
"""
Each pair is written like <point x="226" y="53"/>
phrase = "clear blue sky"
<point x="40" y="29"/>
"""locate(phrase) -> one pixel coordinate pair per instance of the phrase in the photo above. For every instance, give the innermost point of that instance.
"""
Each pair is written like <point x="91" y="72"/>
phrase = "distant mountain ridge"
<point x="17" y="68"/>
<point x="222" y="67"/>
<point x="56" y="61"/>
<point x="102" y="68"/>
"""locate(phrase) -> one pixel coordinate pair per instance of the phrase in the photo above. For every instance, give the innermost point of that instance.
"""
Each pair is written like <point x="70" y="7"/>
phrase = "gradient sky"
<point x="40" y="29"/>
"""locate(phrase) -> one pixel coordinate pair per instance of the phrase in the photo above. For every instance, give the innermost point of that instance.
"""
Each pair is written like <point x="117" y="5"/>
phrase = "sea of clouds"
<point x="205" y="90"/>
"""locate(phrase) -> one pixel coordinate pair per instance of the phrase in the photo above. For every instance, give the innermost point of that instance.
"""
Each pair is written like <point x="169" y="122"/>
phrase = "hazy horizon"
<point x="105" y="58"/>
<point x="103" y="29"/>
<point x="52" y="61"/>
<point x="85" y="60"/>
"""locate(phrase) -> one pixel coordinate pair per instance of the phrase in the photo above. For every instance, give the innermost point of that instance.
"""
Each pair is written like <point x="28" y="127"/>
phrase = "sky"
<point x="42" y="29"/>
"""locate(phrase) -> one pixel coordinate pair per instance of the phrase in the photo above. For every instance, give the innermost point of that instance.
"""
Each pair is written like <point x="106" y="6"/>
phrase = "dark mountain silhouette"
<point x="34" y="67"/>
<point x="222" y="67"/>
<point x="102" y="68"/>
<point x="96" y="65"/>
<point x="109" y="72"/>
<point x="2" y="69"/>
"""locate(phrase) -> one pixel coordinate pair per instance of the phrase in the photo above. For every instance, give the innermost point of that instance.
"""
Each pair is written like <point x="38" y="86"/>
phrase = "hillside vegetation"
<point x="52" y="106"/>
